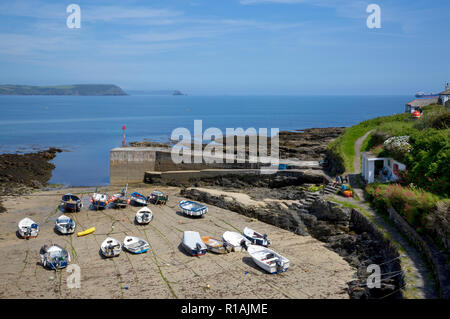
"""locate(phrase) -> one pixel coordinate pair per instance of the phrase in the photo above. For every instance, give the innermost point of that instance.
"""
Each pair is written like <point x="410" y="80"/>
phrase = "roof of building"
<point x="446" y="92"/>
<point x="423" y="102"/>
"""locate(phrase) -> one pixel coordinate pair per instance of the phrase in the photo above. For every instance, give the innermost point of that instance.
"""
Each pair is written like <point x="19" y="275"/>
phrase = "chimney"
<point x="447" y="87"/>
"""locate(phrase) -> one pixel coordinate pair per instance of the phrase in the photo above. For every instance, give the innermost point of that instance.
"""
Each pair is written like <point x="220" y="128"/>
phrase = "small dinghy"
<point x="158" y="198"/>
<point x="191" y="208"/>
<point x="54" y="257"/>
<point x="86" y="232"/>
<point x="99" y="201"/>
<point x="65" y="225"/>
<point x="215" y="245"/>
<point x="138" y="199"/>
<point x="235" y="240"/>
<point x="71" y="203"/>
<point x="267" y="259"/>
<point x="28" y="228"/>
<point x="111" y="247"/>
<point x="144" y="216"/>
<point x="255" y="237"/>
<point x="193" y="244"/>
<point x="135" y="245"/>
<point x="120" y="199"/>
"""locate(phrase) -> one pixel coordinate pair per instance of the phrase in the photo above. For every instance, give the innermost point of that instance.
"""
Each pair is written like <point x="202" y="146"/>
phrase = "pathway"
<point x="418" y="277"/>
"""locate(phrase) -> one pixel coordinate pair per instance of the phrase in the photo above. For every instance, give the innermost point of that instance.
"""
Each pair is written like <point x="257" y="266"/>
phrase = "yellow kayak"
<point x="86" y="232"/>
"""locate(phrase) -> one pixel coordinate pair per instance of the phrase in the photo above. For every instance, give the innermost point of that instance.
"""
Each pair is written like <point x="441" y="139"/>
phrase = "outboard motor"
<point x="280" y="265"/>
<point x="198" y="248"/>
<point x="27" y="232"/>
<point x="243" y="244"/>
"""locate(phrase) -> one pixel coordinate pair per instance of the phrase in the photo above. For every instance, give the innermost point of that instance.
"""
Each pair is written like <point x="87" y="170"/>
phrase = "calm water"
<point x="88" y="127"/>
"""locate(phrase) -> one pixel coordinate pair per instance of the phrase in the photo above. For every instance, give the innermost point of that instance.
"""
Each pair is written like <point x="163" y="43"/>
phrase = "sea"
<point x="88" y="127"/>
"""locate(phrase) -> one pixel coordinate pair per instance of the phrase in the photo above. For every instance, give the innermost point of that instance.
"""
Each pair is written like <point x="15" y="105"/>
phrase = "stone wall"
<point x="127" y="165"/>
<point x="438" y="260"/>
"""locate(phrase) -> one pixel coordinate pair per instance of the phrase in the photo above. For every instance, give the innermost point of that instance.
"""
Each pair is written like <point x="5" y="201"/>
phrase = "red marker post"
<point x="123" y="141"/>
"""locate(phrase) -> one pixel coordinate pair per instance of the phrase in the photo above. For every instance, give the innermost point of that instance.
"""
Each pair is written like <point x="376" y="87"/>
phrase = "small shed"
<point x="381" y="169"/>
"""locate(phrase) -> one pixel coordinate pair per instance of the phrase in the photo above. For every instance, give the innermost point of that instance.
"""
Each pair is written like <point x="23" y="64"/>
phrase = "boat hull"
<point x="64" y="230"/>
<point x="99" y="204"/>
<point x="268" y="260"/>
<point x="192" y="208"/>
<point x="235" y="240"/>
<point x="71" y="207"/>
<point x="193" y="252"/>
<point x="135" y="245"/>
<point x="138" y="199"/>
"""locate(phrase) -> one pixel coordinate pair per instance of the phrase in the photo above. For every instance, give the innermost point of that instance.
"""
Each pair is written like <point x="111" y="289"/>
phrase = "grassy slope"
<point x="344" y="146"/>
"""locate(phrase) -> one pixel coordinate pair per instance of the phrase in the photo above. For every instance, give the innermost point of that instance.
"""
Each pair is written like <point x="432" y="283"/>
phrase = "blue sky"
<point x="229" y="46"/>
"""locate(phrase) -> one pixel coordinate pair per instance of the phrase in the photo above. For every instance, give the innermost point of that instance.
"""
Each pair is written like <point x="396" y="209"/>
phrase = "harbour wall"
<point x="136" y="164"/>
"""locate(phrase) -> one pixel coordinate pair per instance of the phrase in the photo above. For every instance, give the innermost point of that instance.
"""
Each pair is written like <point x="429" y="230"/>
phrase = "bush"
<point x="438" y="223"/>
<point x="442" y="121"/>
<point x="433" y="117"/>
<point x="429" y="161"/>
<point x="412" y="203"/>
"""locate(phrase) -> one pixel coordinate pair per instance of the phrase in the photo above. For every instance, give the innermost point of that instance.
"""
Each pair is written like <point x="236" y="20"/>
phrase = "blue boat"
<point x="135" y="245"/>
<point x="138" y="199"/>
<point x="255" y="237"/>
<point x="191" y="208"/>
<point x="71" y="203"/>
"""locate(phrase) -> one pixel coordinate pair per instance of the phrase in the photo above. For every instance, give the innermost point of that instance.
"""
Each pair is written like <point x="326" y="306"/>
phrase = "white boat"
<point x="144" y="215"/>
<point x="267" y="259"/>
<point x="135" y="245"/>
<point x="235" y="240"/>
<point x="193" y="243"/>
<point x="191" y="208"/>
<point x="110" y="247"/>
<point x="255" y="237"/>
<point x="54" y="257"/>
<point x="99" y="200"/>
<point x="28" y="228"/>
<point x="215" y="245"/>
<point x="65" y="225"/>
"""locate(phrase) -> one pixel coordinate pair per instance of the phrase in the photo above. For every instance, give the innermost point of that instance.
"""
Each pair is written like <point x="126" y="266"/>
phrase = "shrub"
<point x="442" y="121"/>
<point x="412" y="203"/>
<point x="429" y="161"/>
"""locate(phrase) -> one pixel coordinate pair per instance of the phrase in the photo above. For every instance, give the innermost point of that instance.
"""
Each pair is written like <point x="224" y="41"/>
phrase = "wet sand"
<point x="165" y="271"/>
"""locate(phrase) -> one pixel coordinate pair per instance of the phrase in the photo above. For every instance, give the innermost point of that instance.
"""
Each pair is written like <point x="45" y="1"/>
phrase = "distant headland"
<point x="76" y="89"/>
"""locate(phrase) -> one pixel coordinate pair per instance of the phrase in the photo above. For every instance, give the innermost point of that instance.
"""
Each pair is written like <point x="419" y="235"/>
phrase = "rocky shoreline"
<point x="22" y="173"/>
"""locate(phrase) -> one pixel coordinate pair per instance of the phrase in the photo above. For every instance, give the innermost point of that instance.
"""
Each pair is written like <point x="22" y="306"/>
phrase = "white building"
<point x="383" y="169"/>
<point x="444" y="96"/>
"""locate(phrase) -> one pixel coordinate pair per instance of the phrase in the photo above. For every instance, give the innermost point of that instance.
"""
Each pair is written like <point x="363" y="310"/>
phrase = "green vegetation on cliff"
<point x="422" y="193"/>
<point x="76" y="89"/>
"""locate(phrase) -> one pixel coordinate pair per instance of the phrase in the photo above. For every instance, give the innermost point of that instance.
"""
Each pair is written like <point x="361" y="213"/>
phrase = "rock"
<point x="325" y="210"/>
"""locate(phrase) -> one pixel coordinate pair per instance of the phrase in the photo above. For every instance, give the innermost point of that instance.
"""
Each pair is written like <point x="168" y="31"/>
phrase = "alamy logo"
<point x="188" y="150"/>
<point x="374" y="279"/>
<point x="74" y="279"/>
<point x="374" y="19"/>
<point x="74" y="19"/>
